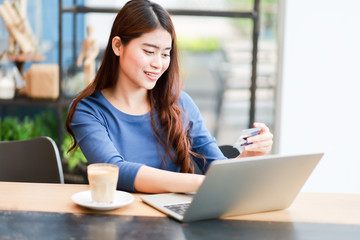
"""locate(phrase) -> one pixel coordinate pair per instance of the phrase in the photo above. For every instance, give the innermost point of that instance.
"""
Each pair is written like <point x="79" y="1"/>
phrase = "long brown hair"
<point x="134" y="19"/>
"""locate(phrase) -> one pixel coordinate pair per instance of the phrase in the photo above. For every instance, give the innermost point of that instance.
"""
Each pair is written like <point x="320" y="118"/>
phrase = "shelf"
<point x="179" y="12"/>
<point x="25" y="101"/>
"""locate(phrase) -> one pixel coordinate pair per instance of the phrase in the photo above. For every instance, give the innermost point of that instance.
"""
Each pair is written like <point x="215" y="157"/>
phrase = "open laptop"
<point x="240" y="186"/>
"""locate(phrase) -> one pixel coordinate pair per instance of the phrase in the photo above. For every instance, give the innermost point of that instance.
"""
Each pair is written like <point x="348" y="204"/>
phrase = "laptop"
<point x="240" y="186"/>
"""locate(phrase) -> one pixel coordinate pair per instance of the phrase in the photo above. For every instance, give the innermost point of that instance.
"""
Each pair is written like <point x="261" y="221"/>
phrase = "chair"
<point x="229" y="151"/>
<point x="32" y="160"/>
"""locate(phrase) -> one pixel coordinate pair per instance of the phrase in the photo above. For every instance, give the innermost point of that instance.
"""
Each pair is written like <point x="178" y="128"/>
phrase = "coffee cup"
<point x="103" y="179"/>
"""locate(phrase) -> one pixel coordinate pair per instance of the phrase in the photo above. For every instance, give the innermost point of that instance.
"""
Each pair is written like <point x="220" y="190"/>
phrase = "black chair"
<point x="32" y="160"/>
<point x="229" y="151"/>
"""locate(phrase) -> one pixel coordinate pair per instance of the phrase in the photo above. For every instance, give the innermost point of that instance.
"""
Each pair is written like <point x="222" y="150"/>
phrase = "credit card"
<point x="249" y="132"/>
<point x="246" y="133"/>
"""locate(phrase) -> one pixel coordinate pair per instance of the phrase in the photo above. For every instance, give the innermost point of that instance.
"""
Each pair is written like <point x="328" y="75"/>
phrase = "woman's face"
<point x="144" y="59"/>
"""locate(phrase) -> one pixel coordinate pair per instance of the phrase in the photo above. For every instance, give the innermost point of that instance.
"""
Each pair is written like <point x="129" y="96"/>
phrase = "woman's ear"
<point x="116" y="45"/>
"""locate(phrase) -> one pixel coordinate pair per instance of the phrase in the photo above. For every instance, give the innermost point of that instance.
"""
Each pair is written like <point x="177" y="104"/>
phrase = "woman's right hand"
<point x="153" y="180"/>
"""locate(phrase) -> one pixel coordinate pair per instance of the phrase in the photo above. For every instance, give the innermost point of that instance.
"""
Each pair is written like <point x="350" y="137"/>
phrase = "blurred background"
<point x="290" y="64"/>
<point x="217" y="53"/>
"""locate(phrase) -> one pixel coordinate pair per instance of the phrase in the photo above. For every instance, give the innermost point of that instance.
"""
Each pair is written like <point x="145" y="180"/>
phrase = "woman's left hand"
<point x="261" y="143"/>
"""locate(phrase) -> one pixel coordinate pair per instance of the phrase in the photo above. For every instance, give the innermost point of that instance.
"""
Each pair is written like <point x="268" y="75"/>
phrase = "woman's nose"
<point x="156" y="61"/>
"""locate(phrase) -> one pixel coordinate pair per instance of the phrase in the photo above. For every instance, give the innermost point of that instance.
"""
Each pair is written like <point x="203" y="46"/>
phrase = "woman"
<point x="134" y="114"/>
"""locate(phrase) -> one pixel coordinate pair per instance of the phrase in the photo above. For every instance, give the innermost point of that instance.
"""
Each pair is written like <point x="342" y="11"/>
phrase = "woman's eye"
<point x="166" y="55"/>
<point x="148" y="52"/>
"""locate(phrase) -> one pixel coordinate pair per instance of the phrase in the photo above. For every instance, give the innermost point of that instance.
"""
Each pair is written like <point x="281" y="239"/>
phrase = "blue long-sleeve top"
<point x="105" y="134"/>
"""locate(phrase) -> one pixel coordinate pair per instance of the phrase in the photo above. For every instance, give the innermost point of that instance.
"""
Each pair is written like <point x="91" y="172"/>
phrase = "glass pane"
<point x="267" y="63"/>
<point x="215" y="62"/>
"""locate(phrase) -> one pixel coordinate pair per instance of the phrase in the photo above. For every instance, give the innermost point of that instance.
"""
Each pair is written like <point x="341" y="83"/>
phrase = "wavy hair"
<point x="134" y="19"/>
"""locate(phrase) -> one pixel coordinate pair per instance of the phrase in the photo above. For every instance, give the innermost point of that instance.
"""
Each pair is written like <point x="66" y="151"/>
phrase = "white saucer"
<point x="84" y="199"/>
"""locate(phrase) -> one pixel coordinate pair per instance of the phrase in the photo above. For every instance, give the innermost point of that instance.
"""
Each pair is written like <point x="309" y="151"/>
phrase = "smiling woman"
<point x="135" y="115"/>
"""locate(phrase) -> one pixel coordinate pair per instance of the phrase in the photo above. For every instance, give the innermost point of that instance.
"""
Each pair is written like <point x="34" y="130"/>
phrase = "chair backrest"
<point x="229" y="151"/>
<point x="32" y="160"/>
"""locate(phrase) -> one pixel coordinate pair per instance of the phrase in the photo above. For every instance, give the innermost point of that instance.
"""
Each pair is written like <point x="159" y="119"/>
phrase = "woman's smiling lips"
<point x="152" y="76"/>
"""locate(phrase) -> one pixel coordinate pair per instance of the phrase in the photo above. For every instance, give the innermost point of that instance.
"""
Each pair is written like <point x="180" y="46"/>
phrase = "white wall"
<point x="320" y="90"/>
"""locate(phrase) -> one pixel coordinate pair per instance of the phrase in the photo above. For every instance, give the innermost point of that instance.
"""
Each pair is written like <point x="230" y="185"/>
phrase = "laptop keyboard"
<point x="179" y="208"/>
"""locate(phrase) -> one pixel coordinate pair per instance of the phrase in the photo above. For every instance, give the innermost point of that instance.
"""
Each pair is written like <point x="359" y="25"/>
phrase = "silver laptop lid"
<point x="242" y="186"/>
<point x="250" y="185"/>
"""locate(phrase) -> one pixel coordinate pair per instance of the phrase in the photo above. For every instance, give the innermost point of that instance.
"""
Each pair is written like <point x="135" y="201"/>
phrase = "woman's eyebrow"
<point x="155" y="46"/>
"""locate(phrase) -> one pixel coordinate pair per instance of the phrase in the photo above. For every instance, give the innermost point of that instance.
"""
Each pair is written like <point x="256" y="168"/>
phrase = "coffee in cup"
<point x="103" y="179"/>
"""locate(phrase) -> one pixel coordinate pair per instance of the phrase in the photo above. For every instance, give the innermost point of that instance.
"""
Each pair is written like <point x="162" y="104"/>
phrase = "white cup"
<point x="103" y="179"/>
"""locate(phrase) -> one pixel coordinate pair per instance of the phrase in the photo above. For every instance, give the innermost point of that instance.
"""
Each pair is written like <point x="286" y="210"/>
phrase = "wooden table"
<point x="323" y="216"/>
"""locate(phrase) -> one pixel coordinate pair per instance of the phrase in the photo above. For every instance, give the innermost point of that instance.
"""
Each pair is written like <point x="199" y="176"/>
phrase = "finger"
<point x="263" y="127"/>
<point x="260" y="137"/>
<point x="258" y="151"/>
<point x="259" y="145"/>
